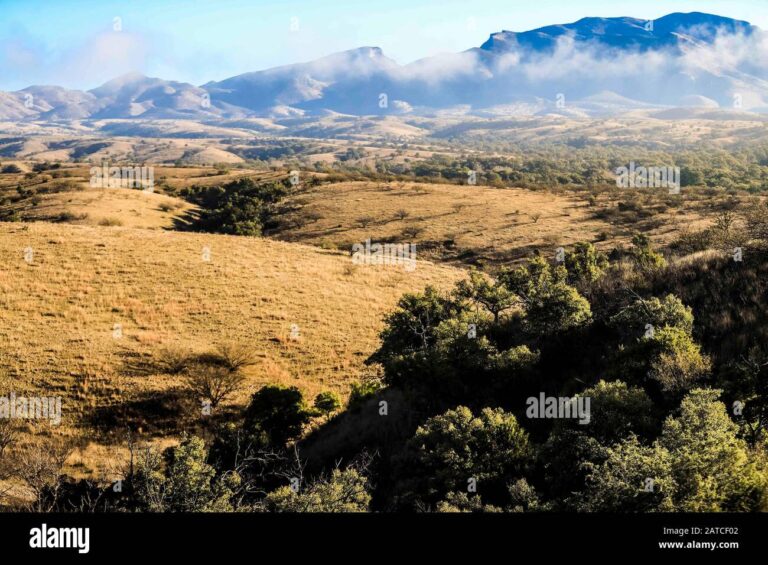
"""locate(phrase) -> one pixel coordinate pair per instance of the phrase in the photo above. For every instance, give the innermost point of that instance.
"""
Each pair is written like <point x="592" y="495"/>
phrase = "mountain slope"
<point x="340" y="80"/>
<point x="622" y="33"/>
<point x="135" y="95"/>
<point x="562" y="69"/>
<point x="57" y="103"/>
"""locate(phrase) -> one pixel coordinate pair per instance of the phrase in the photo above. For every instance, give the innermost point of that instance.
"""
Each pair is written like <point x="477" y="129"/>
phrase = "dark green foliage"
<point x="343" y="491"/>
<point x="279" y="411"/>
<point x="465" y="347"/>
<point x="698" y="464"/>
<point x="644" y="314"/>
<point x="645" y="257"/>
<point x="550" y="304"/>
<point x="457" y="450"/>
<point x="236" y="444"/>
<point x="327" y="403"/>
<point x="573" y="450"/>
<point x="616" y="411"/>
<point x="493" y="296"/>
<point x="666" y="358"/>
<point x="648" y="340"/>
<point x="181" y="481"/>
<point x="10" y="169"/>
<point x="241" y="207"/>
<point x="585" y="264"/>
<point x="566" y="459"/>
<point x="746" y="384"/>
<point x="657" y="345"/>
<point x="413" y="326"/>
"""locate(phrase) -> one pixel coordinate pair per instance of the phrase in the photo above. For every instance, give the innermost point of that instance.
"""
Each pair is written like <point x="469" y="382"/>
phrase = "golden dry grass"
<point x="485" y="224"/>
<point x="88" y="317"/>
<point x="112" y="206"/>
<point x="58" y="328"/>
<point x="82" y="204"/>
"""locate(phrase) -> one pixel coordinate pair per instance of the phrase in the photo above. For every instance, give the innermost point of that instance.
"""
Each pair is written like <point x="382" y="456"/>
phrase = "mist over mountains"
<point x="592" y="67"/>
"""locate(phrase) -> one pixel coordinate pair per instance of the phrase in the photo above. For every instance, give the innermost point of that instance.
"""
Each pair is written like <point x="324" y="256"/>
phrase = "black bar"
<point x="319" y="536"/>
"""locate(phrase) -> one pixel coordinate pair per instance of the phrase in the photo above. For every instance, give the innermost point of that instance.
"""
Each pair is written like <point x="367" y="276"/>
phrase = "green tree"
<point x="343" y="491"/>
<point x="712" y="466"/>
<point x="279" y="411"/>
<point x="493" y="296"/>
<point x="585" y="264"/>
<point x="241" y="207"/>
<point x="524" y="497"/>
<point x="616" y="410"/>
<point x="661" y="347"/>
<point x="462" y="363"/>
<point x="549" y="303"/>
<point x="451" y="450"/>
<point x="644" y="256"/>
<point x="559" y="309"/>
<point x="691" y="177"/>
<point x="182" y="482"/>
<point x="634" y="320"/>
<point x="327" y="403"/>
<point x="698" y="464"/>
<point x="633" y="478"/>
<point x="191" y="483"/>
<point x="568" y="456"/>
<point x="413" y="325"/>
<point x="747" y="383"/>
<point x="675" y="360"/>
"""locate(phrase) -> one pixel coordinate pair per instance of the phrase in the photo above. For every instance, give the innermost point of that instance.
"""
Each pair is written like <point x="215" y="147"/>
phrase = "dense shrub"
<point x="343" y="491"/>
<point x="698" y="464"/>
<point x="458" y="450"/>
<point x="550" y="304"/>
<point x="10" y="169"/>
<point x="241" y="207"/>
<point x="585" y="264"/>
<point x="279" y="411"/>
<point x="644" y="256"/>
<point x="182" y="482"/>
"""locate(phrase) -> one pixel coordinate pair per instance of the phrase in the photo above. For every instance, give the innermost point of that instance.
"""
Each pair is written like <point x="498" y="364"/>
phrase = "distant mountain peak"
<point x="621" y="32"/>
<point x="369" y="51"/>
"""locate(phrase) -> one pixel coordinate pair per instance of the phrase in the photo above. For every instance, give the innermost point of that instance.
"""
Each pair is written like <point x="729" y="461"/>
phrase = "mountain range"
<point x="595" y="66"/>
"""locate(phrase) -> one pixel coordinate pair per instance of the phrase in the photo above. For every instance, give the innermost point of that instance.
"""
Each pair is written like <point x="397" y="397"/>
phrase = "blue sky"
<point x="81" y="44"/>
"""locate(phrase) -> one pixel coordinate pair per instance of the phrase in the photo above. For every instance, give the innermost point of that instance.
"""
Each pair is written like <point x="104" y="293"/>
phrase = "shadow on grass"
<point x="152" y="413"/>
<point x="189" y="221"/>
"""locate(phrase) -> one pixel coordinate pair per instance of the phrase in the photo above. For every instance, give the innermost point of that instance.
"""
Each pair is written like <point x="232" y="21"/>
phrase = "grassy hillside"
<point x="101" y="290"/>
<point x="90" y="316"/>
<point x="479" y="224"/>
<point x="64" y="195"/>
